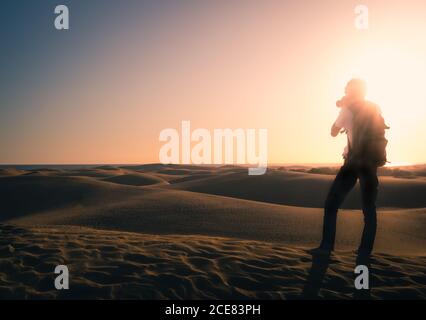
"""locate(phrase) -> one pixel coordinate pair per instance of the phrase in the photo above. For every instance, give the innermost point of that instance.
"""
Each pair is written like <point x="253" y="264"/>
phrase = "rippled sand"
<point x="120" y="265"/>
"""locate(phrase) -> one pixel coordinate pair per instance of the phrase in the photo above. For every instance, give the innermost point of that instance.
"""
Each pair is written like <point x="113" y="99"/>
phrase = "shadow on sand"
<point x="319" y="267"/>
<point x="320" y="263"/>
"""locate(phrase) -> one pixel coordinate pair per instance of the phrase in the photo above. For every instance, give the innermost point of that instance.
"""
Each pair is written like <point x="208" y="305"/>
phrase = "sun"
<point x="395" y="81"/>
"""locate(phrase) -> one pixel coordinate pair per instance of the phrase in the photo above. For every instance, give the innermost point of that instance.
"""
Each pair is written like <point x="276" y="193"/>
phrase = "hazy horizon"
<point x="271" y="165"/>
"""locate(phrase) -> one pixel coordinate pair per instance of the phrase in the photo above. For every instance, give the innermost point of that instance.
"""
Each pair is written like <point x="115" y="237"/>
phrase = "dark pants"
<point x="343" y="183"/>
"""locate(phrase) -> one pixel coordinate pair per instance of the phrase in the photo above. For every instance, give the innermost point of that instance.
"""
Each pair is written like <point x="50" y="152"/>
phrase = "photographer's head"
<point x="356" y="88"/>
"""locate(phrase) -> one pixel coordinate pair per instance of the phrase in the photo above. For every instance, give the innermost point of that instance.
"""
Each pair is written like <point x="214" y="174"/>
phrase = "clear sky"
<point x="102" y="91"/>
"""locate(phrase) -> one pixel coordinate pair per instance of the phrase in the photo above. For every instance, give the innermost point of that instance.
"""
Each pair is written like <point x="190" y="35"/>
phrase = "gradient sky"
<point x="102" y="91"/>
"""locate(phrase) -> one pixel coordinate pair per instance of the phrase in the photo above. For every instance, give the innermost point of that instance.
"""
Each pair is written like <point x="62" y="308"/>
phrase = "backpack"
<point x="368" y="138"/>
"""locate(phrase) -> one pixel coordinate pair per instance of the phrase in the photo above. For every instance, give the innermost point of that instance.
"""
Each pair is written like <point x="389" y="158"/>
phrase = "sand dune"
<point x="214" y="232"/>
<point x="406" y="172"/>
<point x="10" y="172"/>
<point x="305" y="190"/>
<point x="136" y="179"/>
<point x="155" y="167"/>
<point x="24" y="195"/>
<point x="97" y="173"/>
<point x="86" y="202"/>
<point x="119" y="265"/>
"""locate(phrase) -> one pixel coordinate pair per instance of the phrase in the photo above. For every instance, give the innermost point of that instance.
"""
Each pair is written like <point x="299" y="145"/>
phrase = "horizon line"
<point x="191" y="164"/>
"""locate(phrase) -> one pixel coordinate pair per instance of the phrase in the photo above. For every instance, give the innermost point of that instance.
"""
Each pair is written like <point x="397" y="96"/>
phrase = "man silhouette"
<point x="357" y="165"/>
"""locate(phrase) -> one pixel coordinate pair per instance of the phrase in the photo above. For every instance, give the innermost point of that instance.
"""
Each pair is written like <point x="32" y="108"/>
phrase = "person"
<point x="359" y="163"/>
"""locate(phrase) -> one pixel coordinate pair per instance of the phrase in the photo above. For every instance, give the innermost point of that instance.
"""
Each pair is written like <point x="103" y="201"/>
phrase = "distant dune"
<point x="25" y="195"/>
<point x="305" y="190"/>
<point x="10" y="172"/>
<point x="136" y="179"/>
<point x="198" y="215"/>
<point x="406" y="172"/>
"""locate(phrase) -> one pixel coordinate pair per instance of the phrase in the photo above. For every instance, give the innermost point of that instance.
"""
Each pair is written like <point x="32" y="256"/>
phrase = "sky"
<point x="102" y="91"/>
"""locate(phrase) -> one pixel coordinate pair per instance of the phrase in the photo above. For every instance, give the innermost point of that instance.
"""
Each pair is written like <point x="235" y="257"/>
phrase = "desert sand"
<point x="155" y="231"/>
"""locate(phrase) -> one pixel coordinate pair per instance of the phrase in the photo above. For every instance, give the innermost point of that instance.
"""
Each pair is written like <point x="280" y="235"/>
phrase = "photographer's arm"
<point x="335" y="130"/>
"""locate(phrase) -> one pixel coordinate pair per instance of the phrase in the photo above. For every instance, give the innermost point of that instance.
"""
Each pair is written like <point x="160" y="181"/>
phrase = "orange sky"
<point x="249" y="64"/>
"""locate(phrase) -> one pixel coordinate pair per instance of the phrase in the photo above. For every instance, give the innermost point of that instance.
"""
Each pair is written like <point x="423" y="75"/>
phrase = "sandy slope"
<point x="47" y="200"/>
<point x="136" y="179"/>
<point x="105" y="264"/>
<point x="10" y="172"/>
<point x="178" y="218"/>
<point x="26" y="194"/>
<point x="305" y="190"/>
